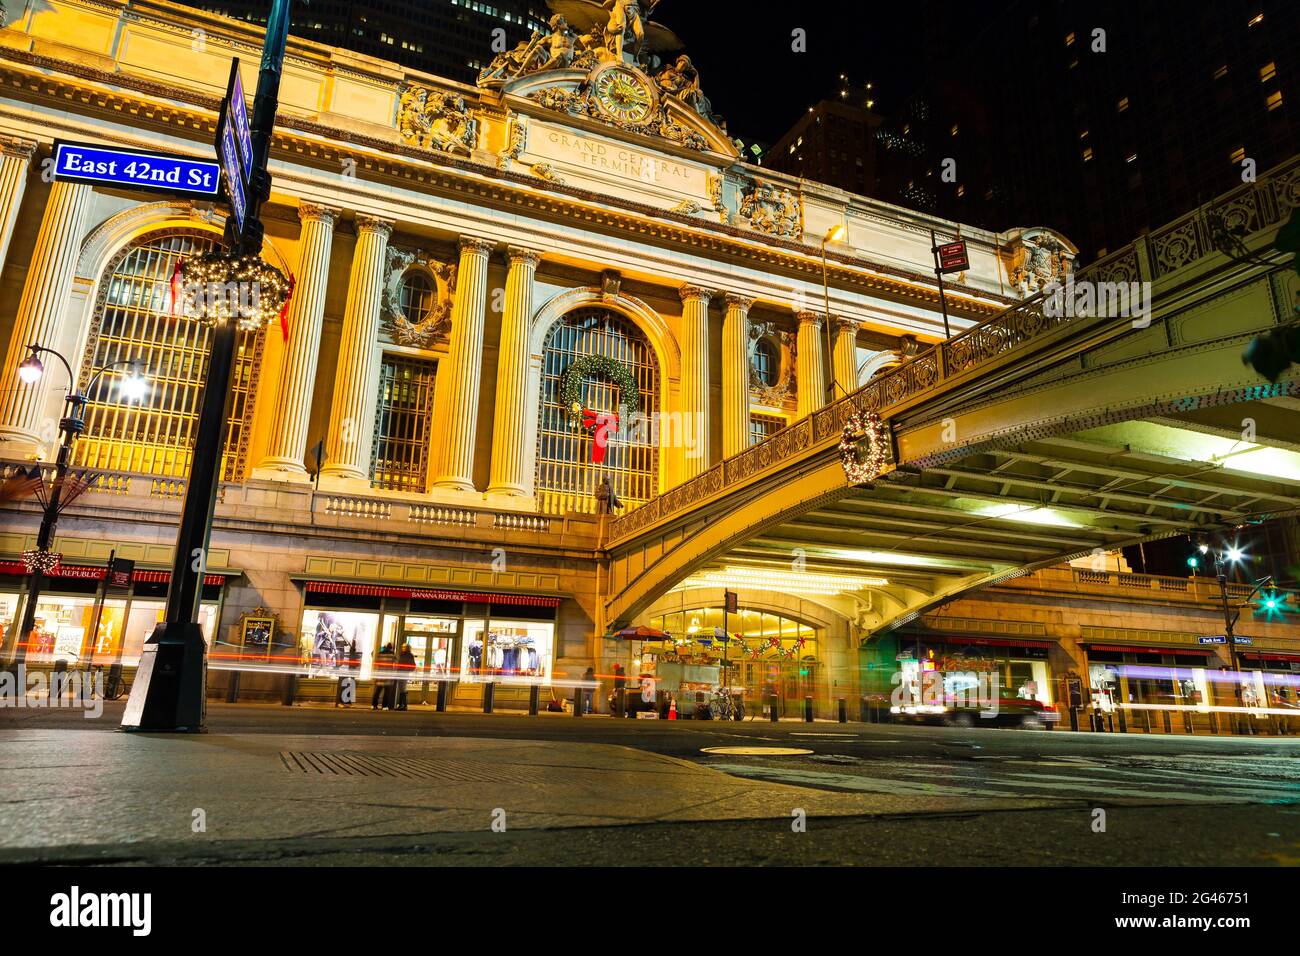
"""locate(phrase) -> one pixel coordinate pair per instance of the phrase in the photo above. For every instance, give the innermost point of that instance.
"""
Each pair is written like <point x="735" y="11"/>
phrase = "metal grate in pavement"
<point x="356" y="763"/>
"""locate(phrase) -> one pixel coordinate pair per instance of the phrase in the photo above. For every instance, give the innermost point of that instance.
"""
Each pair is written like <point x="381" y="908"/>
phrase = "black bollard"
<point x="620" y="702"/>
<point x="771" y="709"/>
<point x="489" y="693"/>
<point x="577" y="701"/>
<point x="232" y="688"/>
<point x="808" y="710"/>
<point x="290" y="689"/>
<point x="1123" y="723"/>
<point x="534" y="699"/>
<point x="442" y="697"/>
<point x="844" y="711"/>
<point x="1074" y="718"/>
<point x="1164" y="718"/>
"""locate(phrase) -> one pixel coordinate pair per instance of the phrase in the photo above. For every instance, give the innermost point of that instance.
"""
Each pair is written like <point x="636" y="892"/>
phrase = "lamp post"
<point x="1222" y="557"/>
<point x="169" y="690"/>
<point x="837" y="233"/>
<point x="71" y="426"/>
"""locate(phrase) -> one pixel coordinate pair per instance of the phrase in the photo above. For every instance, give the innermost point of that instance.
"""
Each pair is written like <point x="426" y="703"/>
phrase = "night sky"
<point x="754" y="80"/>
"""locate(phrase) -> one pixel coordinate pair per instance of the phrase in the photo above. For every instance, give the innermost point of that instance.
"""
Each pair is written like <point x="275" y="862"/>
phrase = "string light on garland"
<point x="218" y="288"/>
<point x="863" y="464"/>
<point x="37" y="561"/>
<point x="629" y="395"/>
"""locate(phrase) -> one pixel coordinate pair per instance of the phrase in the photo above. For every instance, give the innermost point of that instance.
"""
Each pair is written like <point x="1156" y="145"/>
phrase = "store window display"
<point x="335" y="643"/>
<point x="511" y="649"/>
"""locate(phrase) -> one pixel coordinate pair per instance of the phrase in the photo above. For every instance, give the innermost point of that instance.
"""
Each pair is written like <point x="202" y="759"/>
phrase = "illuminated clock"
<point x="624" y="95"/>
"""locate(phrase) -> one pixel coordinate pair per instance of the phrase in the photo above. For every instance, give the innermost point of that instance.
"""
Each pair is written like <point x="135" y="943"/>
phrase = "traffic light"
<point x="1272" y="604"/>
<point x="1193" y="562"/>
<point x="1273" y="353"/>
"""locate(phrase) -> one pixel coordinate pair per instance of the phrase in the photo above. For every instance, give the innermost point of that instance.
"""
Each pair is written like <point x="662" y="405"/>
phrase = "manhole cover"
<point x="355" y="763"/>
<point x="757" y="751"/>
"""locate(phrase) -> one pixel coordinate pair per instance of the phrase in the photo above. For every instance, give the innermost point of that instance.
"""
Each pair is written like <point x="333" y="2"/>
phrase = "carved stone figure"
<point x="777" y="212"/>
<point x="436" y="120"/>
<point x="1039" y="259"/>
<point x="681" y="80"/>
<point x="420" y="331"/>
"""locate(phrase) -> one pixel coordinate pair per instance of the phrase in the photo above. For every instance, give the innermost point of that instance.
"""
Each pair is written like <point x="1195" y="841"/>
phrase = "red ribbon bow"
<point x="603" y="423"/>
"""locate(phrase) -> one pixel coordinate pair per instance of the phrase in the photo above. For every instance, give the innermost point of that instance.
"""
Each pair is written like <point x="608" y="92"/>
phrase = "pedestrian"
<point x="620" y="691"/>
<point x="588" y="693"/>
<point x="406" y="665"/>
<point x="385" y="661"/>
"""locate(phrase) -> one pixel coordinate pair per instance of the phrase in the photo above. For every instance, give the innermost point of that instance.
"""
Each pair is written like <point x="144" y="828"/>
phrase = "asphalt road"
<point x="1168" y="800"/>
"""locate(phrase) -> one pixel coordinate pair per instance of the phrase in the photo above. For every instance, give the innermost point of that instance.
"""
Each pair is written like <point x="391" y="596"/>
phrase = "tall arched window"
<point x="567" y="476"/>
<point x="131" y="321"/>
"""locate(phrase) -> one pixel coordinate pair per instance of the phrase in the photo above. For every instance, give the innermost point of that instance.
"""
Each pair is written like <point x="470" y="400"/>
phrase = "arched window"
<point x="131" y="321"/>
<point x="567" y="476"/>
<point x="767" y="363"/>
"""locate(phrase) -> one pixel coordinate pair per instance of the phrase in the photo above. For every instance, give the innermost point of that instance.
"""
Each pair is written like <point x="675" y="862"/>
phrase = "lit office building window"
<point x="567" y="476"/>
<point x="155" y="435"/>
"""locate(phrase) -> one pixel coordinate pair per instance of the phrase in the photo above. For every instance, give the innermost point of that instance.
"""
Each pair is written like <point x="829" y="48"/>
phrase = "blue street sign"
<point x="136" y="169"/>
<point x="1244" y="640"/>
<point x="237" y="116"/>
<point x="1213" y="640"/>
<point x="233" y="175"/>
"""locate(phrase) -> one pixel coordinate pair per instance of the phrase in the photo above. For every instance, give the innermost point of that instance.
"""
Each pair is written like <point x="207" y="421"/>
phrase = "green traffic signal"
<point x="1193" y="562"/>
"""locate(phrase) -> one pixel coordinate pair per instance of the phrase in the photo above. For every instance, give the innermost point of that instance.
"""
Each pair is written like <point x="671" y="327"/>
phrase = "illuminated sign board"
<point x="136" y="169"/>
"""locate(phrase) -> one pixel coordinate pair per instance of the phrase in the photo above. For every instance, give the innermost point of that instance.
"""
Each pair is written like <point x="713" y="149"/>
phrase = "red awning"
<point x="94" y="573"/>
<point x="477" y="597"/>
<point x="1145" y="649"/>
<point x="988" y="641"/>
<point x="1266" y="656"/>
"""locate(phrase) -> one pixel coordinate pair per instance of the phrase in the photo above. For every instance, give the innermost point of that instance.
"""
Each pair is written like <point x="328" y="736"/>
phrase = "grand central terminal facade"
<point x="518" y="308"/>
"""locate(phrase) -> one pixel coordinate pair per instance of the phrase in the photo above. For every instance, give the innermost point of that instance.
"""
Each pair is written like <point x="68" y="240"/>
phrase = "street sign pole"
<point x="169" y="690"/>
<point x="938" y="273"/>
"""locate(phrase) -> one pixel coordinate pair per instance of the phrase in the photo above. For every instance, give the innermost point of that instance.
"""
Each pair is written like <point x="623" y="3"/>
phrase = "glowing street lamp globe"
<point x="30" y="369"/>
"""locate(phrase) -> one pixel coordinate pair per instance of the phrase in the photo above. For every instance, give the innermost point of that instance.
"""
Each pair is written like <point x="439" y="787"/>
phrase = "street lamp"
<point x="39" y="560"/>
<point x="837" y="233"/>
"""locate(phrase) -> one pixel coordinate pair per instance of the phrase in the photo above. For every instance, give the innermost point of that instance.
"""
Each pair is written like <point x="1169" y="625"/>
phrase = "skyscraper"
<point x="451" y="38"/>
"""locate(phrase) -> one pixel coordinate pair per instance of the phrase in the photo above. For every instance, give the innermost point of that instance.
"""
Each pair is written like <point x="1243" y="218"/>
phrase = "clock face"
<point x="623" y="95"/>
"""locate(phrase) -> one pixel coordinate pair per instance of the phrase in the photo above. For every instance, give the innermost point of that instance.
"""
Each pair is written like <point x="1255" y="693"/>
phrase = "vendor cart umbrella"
<point x="641" y="633"/>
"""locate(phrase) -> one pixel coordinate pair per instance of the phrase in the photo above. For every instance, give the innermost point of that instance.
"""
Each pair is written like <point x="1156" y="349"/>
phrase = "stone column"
<point x="695" y="379"/>
<point x="735" y="375"/>
<point x="458" y="416"/>
<point x="15" y="158"/>
<point x="352" y="416"/>
<point x="291" y="416"/>
<point x="845" y="358"/>
<point x="810" y="369"/>
<point x="41" y="312"/>
<point x="510" y="457"/>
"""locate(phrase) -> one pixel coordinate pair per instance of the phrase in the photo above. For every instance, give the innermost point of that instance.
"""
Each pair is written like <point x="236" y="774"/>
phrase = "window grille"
<point x="566" y="477"/>
<point x="155" y="436"/>
<point x="399" y="458"/>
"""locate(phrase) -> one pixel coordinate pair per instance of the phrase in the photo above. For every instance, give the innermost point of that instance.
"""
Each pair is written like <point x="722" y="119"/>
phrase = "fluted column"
<point x="15" y="159"/>
<point x="40" y="313"/>
<point x="811" y="363"/>
<point x="510" y="429"/>
<point x="695" y="378"/>
<point x="352" y="416"/>
<point x="292" y="414"/>
<point x="459" y="388"/>
<point x="735" y="375"/>
<point x="845" y="359"/>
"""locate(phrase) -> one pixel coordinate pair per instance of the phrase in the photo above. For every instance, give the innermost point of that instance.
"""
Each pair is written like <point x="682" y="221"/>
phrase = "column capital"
<point x="844" y="323"/>
<point x="373" y="224"/>
<point x="21" y="148"/>
<point x="809" y="317"/>
<point x="528" y="257"/>
<point x="735" y="300"/>
<point x="315" y="212"/>
<point x="476" y="244"/>
<point x="695" y="293"/>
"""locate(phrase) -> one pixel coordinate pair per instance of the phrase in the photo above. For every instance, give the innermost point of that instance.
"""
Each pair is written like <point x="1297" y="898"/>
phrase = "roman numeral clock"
<point x="623" y="94"/>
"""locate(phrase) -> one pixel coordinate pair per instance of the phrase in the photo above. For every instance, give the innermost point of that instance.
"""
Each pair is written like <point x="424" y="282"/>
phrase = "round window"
<point x="417" y="297"/>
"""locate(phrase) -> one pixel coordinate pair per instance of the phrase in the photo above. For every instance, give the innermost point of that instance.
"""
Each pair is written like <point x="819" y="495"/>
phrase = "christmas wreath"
<point x="629" y="396"/>
<point x="863" y="464"/>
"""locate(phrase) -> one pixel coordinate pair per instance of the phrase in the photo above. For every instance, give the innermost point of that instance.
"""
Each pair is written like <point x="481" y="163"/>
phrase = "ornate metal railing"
<point x="1244" y="211"/>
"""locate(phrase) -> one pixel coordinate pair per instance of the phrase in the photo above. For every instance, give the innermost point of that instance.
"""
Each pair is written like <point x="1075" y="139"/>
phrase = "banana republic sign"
<point x="610" y="161"/>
